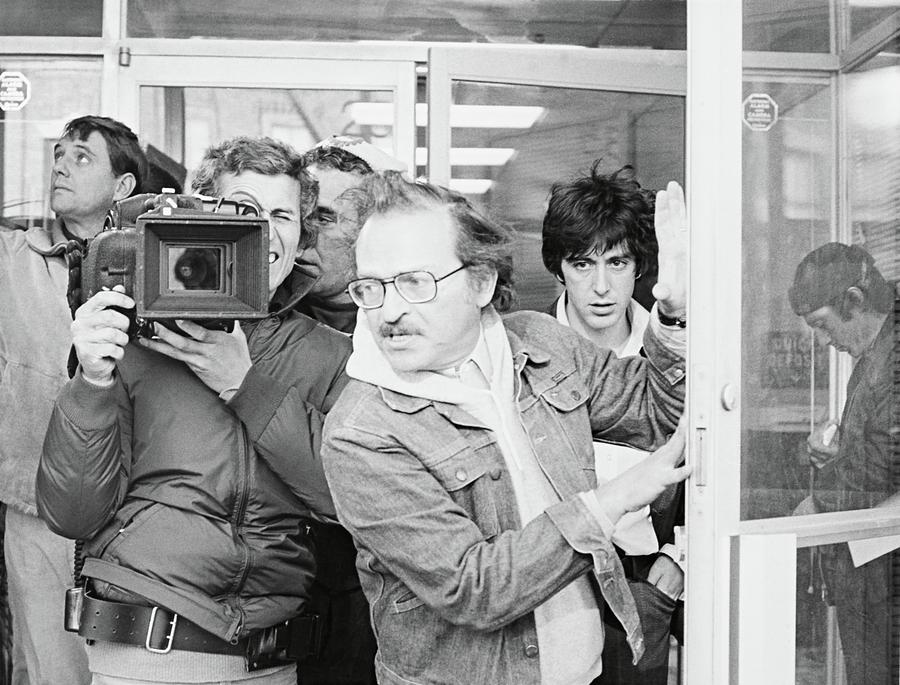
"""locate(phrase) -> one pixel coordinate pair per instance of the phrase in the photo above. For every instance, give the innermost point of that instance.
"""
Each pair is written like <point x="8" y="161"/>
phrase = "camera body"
<point x="181" y="257"/>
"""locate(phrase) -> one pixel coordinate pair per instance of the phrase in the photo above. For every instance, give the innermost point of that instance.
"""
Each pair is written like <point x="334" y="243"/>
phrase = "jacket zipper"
<point x="243" y="495"/>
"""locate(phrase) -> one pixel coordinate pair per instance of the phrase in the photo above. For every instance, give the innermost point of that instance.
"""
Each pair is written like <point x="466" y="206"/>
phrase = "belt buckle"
<point x="169" y="637"/>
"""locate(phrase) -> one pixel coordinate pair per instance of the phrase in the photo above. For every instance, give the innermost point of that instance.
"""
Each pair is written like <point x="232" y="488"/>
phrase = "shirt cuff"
<point x="671" y="551"/>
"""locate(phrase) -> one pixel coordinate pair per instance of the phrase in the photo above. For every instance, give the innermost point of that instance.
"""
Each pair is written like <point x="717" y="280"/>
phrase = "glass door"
<point x="504" y="124"/>
<point x="181" y="105"/>
<point x="793" y="118"/>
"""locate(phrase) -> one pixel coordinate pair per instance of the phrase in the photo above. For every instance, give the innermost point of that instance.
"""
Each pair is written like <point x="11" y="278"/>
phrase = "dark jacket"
<point x="190" y="502"/>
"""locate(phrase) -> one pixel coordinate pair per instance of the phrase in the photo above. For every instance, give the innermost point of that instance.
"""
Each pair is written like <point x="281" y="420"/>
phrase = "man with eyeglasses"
<point x="460" y="457"/>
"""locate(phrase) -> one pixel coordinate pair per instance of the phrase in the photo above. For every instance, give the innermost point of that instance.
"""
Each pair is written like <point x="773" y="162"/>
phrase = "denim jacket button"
<point x="576" y="395"/>
<point x="461" y="475"/>
<point x="496" y="473"/>
<point x="531" y="651"/>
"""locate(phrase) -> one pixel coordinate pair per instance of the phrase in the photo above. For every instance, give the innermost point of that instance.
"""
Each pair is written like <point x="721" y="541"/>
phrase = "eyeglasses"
<point x="416" y="287"/>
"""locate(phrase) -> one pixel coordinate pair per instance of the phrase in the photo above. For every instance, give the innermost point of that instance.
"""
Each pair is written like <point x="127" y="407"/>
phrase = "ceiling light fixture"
<point x="471" y="156"/>
<point x="461" y="116"/>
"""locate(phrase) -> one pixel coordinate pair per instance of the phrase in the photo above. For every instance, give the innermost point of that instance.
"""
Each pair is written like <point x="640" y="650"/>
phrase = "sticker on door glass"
<point x="15" y="91"/>
<point x="760" y="111"/>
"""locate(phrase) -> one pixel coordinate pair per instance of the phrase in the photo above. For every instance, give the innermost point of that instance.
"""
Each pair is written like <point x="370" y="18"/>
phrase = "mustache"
<point x="386" y="330"/>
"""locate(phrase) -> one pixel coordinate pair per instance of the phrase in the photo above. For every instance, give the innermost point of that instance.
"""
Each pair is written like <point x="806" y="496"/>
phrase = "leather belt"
<point x="154" y="628"/>
<point x="160" y="630"/>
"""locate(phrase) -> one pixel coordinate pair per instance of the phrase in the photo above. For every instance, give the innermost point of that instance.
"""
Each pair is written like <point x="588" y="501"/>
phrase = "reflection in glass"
<point x="194" y="268"/>
<point x="184" y="122"/>
<point x="659" y="24"/>
<point x="844" y="632"/>
<point x="788" y="25"/>
<point x="787" y="198"/>
<point x="575" y="128"/>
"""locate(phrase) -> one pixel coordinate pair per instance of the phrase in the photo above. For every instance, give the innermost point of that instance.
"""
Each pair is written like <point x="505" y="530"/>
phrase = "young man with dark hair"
<point x="189" y="462"/>
<point x="598" y="239"/>
<point x="459" y="455"/>
<point x="842" y="296"/>
<point x="96" y="161"/>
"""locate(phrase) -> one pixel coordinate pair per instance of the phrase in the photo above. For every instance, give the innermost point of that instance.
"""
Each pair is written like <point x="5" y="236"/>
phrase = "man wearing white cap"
<point x="338" y="164"/>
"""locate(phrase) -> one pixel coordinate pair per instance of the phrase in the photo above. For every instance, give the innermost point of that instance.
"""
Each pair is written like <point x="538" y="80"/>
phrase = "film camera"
<point x="179" y="257"/>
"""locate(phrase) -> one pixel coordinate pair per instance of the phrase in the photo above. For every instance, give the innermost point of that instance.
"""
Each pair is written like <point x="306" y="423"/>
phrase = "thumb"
<point x="673" y="451"/>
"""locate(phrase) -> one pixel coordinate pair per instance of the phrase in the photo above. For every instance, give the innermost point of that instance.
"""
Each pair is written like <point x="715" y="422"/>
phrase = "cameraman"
<point x="190" y="463"/>
<point x="96" y="161"/>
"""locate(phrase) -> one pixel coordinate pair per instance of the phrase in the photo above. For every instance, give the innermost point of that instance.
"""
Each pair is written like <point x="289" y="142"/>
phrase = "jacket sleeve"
<point x="285" y="422"/>
<point x="83" y="472"/>
<point x="403" y="515"/>
<point x="634" y="400"/>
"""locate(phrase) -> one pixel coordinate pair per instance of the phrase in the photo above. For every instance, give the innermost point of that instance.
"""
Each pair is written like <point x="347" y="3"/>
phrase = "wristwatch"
<point x="680" y="321"/>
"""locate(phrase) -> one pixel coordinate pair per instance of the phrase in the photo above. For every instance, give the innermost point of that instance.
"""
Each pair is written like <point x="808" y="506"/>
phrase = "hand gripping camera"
<point x="179" y="257"/>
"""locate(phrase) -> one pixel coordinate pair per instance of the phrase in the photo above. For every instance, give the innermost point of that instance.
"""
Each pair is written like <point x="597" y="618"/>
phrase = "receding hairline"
<point x="384" y="217"/>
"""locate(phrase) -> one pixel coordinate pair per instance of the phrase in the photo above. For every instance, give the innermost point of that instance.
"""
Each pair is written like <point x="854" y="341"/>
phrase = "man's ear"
<point x="854" y="300"/>
<point x="124" y="186"/>
<point x="484" y="285"/>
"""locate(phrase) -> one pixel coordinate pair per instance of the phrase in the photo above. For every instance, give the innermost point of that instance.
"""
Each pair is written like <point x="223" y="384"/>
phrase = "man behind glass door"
<point x="598" y="239"/>
<point x="96" y="162"/>
<point x="338" y="164"/>
<point x="843" y="297"/>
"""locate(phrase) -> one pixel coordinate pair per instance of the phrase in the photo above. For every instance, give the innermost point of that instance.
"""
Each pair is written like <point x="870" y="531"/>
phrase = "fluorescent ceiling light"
<point x="471" y="186"/>
<point x="471" y="156"/>
<point x="461" y="116"/>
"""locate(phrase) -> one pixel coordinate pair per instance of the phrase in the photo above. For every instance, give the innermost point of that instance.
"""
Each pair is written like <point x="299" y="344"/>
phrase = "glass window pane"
<point x="865" y="14"/>
<point x="659" y="24"/>
<point x="184" y="122"/>
<point x="844" y="628"/>
<point x="52" y="18"/>
<point x="514" y="142"/>
<point x="60" y="89"/>
<point x="787" y="212"/>
<point x="787" y="25"/>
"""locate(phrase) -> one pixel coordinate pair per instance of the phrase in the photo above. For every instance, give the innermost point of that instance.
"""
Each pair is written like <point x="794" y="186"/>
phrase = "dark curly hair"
<point x="482" y="244"/>
<point x="597" y="212"/>
<point x="333" y="157"/>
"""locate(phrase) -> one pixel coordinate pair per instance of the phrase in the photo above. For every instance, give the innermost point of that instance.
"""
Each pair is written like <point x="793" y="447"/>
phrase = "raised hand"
<point x="100" y="334"/>
<point x="219" y="359"/>
<point x="671" y="224"/>
<point x="646" y="480"/>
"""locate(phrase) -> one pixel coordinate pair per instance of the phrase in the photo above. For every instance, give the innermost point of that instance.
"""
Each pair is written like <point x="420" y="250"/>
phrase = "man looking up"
<point x="843" y="297"/>
<point x="338" y="164"/>
<point x="96" y="161"/>
<point x="190" y="462"/>
<point x="460" y="456"/>
<point x="598" y="239"/>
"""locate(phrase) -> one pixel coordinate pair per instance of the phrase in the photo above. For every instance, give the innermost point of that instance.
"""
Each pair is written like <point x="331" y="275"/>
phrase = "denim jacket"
<point x="451" y="575"/>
